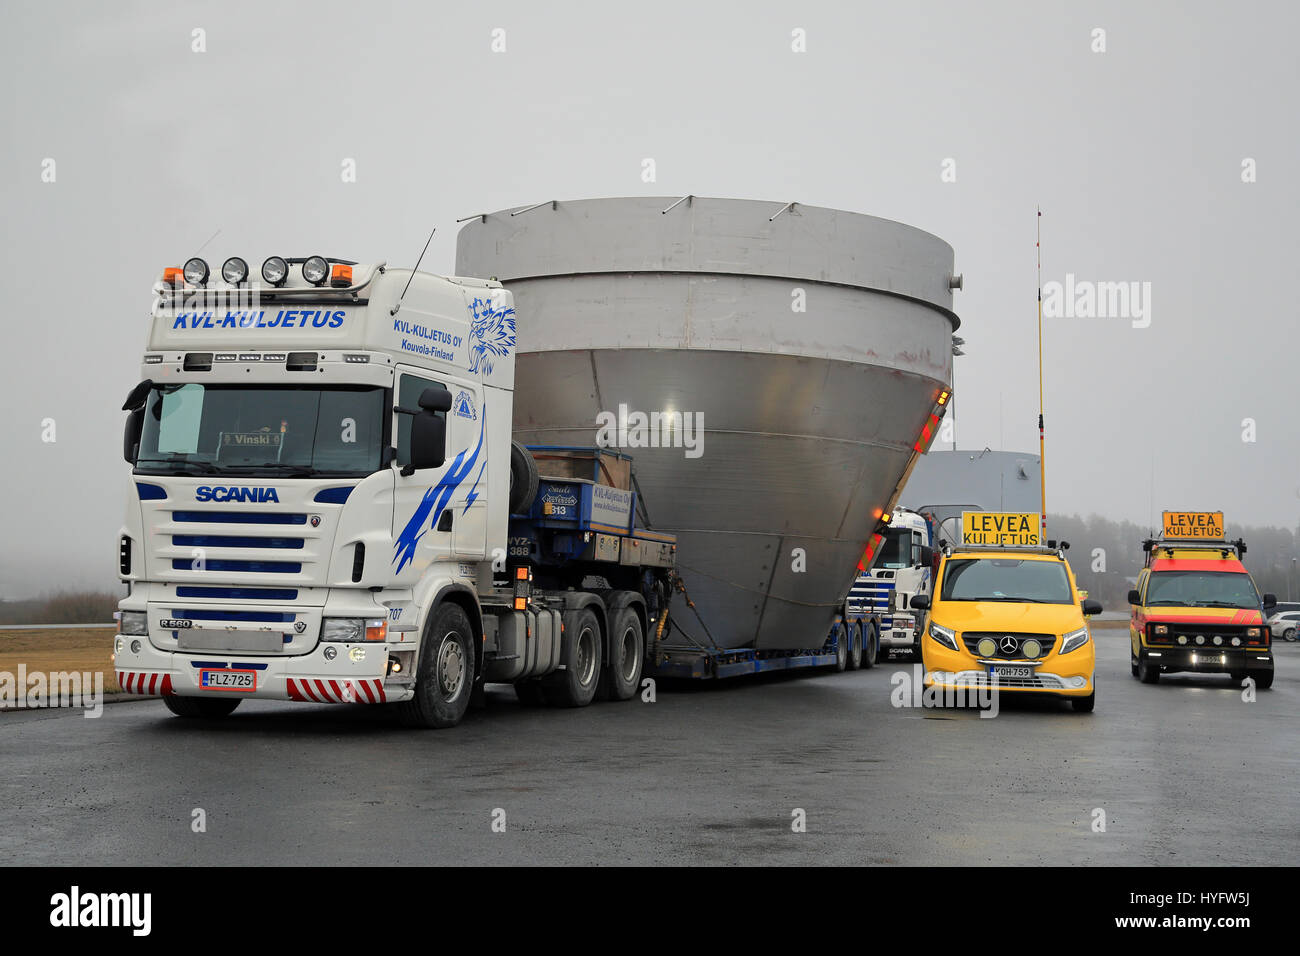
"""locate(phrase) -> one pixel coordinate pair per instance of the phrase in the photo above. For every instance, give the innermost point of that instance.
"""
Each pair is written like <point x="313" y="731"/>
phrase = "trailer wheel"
<point x="855" y="646"/>
<point x="841" y="648"/>
<point x="574" y="685"/>
<point x="626" y="654"/>
<point x="209" y="708"/>
<point x="871" y="647"/>
<point x="523" y="478"/>
<point x="445" y="675"/>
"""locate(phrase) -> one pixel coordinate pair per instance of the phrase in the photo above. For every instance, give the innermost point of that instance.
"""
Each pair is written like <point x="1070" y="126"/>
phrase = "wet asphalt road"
<point x="1186" y="772"/>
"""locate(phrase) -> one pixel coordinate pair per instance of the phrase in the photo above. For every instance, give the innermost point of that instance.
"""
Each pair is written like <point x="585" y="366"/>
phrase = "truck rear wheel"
<point x="626" y="654"/>
<point x="855" y="646"/>
<point x="445" y="675"/>
<point x="205" y="707"/>
<point x="842" y="639"/>
<point x="574" y="685"/>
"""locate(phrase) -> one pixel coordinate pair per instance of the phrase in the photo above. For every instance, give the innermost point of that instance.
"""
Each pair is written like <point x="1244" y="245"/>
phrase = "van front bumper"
<point x="1210" y="660"/>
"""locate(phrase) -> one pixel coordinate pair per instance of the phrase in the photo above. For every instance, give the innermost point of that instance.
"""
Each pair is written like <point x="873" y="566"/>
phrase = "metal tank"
<point x="809" y="343"/>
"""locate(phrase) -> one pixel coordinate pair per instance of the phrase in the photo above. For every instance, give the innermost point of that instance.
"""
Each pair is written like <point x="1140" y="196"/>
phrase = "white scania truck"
<point x="326" y="505"/>
<point x="901" y="567"/>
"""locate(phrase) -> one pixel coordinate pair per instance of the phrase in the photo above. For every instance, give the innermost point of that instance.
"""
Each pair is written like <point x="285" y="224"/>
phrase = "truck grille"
<point x="973" y="638"/>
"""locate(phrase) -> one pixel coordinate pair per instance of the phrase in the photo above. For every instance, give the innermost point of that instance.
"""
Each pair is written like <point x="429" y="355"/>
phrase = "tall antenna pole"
<point x="1042" y="458"/>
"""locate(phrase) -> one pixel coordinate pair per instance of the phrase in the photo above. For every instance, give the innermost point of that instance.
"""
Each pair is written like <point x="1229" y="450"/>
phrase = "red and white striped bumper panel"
<point x="336" y="691"/>
<point x="144" y="682"/>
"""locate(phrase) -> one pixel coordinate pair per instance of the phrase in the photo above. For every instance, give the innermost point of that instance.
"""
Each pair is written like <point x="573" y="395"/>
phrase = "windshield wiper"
<point x="1168" y="603"/>
<point x="1222" y="604"/>
<point x="287" y="471"/>
<point x="1013" y="600"/>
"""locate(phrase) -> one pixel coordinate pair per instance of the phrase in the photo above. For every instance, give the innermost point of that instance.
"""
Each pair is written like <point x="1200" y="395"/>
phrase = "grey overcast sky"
<point x="1135" y="155"/>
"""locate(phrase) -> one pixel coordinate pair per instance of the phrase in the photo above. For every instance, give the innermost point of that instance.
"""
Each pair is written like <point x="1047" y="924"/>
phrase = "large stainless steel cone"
<point x="810" y="348"/>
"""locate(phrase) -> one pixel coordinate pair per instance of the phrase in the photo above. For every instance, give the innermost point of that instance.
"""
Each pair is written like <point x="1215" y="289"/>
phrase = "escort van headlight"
<point x="1236" y="642"/>
<point x="1161" y="630"/>
<point x="196" y="271"/>
<point x="343" y="629"/>
<point x="1031" y="648"/>
<point x="1074" y="640"/>
<point x="316" y="270"/>
<point x="987" y="647"/>
<point x="1252" y="632"/>
<point x="944" y="635"/>
<point x="133" y="624"/>
<point x="234" y="270"/>
<point x="274" y="271"/>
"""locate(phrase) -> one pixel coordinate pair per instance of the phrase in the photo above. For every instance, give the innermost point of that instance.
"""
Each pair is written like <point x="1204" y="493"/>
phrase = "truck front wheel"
<point x="205" y="707"/>
<point x="574" y="685"/>
<point x="445" y="676"/>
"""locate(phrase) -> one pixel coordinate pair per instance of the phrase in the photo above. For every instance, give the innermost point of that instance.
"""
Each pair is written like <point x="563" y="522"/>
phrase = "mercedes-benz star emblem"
<point x="1008" y="644"/>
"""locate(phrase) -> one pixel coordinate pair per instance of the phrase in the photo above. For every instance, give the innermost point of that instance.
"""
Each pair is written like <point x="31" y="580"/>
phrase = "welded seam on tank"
<point x="948" y="313"/>
<point x="767" y="592"/>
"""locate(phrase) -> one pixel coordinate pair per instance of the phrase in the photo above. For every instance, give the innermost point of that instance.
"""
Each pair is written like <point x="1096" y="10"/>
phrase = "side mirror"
<point x="1091" y="607"/>
<point x="1270" y="601"/>
<point x="428" y="440"/>
<point x="435" y="399"/>
<point x="1134" y="597"/>
<point x="920" y="602"/>
<point x="131" y="435"/>
<point x="927" y="556"/>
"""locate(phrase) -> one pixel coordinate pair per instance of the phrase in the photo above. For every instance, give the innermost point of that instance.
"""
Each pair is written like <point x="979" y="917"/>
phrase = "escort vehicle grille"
<point x="973" y="638"/>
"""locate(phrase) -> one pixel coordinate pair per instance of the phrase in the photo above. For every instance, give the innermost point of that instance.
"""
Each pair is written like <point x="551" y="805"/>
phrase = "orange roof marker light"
<point x="340" y="276"/>
<point x="173" y="276"/>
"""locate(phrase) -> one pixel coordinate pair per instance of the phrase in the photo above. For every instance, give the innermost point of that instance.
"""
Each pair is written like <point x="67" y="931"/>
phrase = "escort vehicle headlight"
<point x="1252" y="632"/>
<point x="987" y="647"/>
<point x="274" y="271"/>
<point x="1236" y="642"/>
<point x="1074" y="640"/>
<point x="944" y="635"/>
<point x="343" y="629"/>
<point x="196" y="271"/>
<point x="1182" y="638"/>
<point x="316" y="270"/>
<point x="1200" y="638"/>
<point x="1162" y="630"/>
<point x="134" y="624"/>
<point x="234" y="270"/>
<point x="1031" y="648"/>
<point x="1218" y="639"/>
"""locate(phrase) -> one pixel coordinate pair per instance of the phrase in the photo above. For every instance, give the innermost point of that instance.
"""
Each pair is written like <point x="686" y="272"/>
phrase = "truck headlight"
<point x="353" y="629"/>
<point x="1074" y="640"/>
<point x="133" y="624"/>
<point x="343" y="629"/>
<point x="944" y="635"/>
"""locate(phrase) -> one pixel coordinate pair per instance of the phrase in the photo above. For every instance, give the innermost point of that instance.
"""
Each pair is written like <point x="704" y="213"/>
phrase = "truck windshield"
<point x="1005" y="579"/>
<point x="265" y="430"/>
<point x="1202" y="589"/>
<point x="896" y="551"/>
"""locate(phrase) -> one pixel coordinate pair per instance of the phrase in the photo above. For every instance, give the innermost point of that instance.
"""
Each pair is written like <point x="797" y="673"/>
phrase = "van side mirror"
<point x="1270" y="601"/>
<point x="131" y="435"/>
<point x="920" y="602"/>
<point x="1134" y="597"/>
<point x="927" y="556"/>
<point x="1091" y="607"/>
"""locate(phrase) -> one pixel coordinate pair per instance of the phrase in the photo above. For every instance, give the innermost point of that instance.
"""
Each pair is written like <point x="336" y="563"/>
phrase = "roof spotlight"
<point x="274" y="271"/>
<point x="196" y="271"/>
<point x="234" y="270"/>
<point x="315" y="270"/>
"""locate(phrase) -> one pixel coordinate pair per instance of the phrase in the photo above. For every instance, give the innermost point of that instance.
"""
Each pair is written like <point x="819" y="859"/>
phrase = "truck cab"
<point x="901" y="568"/>
<point x="322" y="489"/>
<point x="1196" y="609"/>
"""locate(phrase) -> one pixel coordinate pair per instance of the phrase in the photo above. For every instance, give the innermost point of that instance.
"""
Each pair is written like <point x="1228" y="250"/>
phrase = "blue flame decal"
<point x="491" y="334"/>
<point x="473" y="492"/>
<point x="434" y="502"/>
